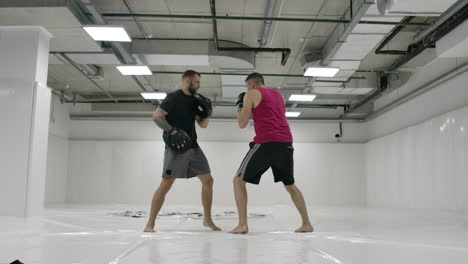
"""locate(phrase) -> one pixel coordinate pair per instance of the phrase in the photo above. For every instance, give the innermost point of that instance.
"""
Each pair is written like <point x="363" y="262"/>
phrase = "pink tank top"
<point x="270" y="118"/>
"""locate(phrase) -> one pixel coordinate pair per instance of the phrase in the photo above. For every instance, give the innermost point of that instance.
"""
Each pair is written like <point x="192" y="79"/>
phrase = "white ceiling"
<point x="300" y="37"/>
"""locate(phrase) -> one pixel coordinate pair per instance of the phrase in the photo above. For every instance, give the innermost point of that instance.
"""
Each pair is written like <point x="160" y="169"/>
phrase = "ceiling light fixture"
<point x="321" y="72"/>
<point x="107" y="33"/>
<point x="134" y="70"/>
<point x="302" y="97"/>
<point x="154" y="96"/>
<point x="293" y="114"/>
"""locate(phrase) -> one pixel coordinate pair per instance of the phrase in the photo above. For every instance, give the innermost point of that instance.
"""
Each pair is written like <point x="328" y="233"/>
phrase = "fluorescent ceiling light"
<point x="321" y="72"/>
<point x="293" y="114"/>
<point x="134" y="70"/>
<point x="302" y="97"/>
<point x="153" y="96"/>
<point x="108" y="33"/>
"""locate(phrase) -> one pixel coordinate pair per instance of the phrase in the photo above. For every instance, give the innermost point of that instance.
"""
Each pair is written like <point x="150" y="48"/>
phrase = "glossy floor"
<point x="99" y="234"/>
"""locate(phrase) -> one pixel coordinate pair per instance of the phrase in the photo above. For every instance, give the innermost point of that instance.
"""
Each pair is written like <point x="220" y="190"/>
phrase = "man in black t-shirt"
<point x="177" y="114"/>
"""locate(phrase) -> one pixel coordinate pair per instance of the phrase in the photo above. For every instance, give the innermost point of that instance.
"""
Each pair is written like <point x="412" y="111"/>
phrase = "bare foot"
<point x="304" y="229"/>
<point x="149" y="229"/>
<point x="211" y="225"/>
<point x="240" y="229"/>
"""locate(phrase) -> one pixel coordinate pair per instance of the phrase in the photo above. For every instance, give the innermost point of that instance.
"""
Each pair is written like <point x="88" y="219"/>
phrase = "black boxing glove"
<point x="204" y="106"/>
<point x="240" y="101"/>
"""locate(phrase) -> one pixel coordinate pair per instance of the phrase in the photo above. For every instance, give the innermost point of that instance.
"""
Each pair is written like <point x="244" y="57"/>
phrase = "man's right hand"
<point x="178" y="140"/>
<point x="240" y="101"/>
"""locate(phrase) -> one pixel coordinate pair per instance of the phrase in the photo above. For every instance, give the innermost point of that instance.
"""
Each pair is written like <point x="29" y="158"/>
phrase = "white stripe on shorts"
<point x="244" y="163"/>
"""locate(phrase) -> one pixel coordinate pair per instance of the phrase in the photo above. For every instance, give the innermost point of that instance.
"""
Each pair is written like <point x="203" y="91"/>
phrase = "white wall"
<point x="57" y="170"/>
<point x="59" y="118"/>
<point x="129" y="172"/>
<point x="218" y="130"/>
<point x="57" y="154"/>
<point x="418" y="151"/>
<point x="423" y="166"/>
<point x="121" y="162"/>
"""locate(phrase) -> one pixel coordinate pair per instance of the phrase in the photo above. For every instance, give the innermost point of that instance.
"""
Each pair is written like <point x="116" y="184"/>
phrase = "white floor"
<point x="343" y="235"/>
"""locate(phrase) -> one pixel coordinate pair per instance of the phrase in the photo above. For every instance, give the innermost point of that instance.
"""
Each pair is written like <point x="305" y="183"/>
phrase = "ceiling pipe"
<point x="140" y="100"/>
<point x="429" y="40"/>
<point x="284" y="19"/>
<point x="441" y="19"/>
<point x="61" y="95"/>
<point x="144" y="117"/>
<point x="284" y="51"/>
<point x="267" y="75"/>
<point x="215" y="24"/>
<point x="414" y="49"/>
<point x="382" y="86"/>
<point x="394" y="32"/>
<point x="267" y="24"/>
<point x="137" y="21"/>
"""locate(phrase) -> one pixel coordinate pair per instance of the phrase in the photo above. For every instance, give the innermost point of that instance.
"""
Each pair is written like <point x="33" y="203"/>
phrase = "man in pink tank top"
<point x="271" y="148"/>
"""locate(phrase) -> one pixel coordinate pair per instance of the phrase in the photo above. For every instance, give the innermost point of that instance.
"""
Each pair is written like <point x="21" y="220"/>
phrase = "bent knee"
<point x="208" y="180"/>
<point x="291" y="188"/>
<point x="237" y="179"/>
<point x="167" y="182"/>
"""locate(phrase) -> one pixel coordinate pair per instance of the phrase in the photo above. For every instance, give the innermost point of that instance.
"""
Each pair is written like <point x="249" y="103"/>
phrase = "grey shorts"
<point x="186" y="165"/>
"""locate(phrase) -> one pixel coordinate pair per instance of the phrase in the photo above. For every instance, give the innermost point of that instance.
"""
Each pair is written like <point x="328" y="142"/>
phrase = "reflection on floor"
<point x="113" y="234"/>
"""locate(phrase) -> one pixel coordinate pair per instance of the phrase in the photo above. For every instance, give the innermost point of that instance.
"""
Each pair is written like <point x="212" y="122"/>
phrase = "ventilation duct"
<point x="414" y="7"/>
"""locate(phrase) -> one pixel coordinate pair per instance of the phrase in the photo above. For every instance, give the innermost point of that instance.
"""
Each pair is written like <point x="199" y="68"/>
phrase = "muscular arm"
<point x="202" y="123"/>
<point x="159" y="118"/>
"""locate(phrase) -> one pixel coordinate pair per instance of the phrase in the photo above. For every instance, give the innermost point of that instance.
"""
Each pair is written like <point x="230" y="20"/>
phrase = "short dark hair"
<point x="256" y="77"/>
<point x="190" y="74"/>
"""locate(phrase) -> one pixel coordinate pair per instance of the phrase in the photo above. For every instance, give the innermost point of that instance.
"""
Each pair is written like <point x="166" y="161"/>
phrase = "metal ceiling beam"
<point x="145" y="117"/>
<point x="140" y="100"/>
<point x="250" y="18"/>
<point x="264" y="74"/>
<point x="232" y="74"/>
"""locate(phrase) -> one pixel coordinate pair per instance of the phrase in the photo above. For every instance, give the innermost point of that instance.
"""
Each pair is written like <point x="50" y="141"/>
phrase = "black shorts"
<point x="277" y="155"/>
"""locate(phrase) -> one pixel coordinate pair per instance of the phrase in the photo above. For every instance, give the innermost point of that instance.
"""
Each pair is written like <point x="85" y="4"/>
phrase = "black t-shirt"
<point x="180" y="110"/>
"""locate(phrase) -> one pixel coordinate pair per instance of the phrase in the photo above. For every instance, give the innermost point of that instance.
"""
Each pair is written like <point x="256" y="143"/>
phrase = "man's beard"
<point x="192" y="89"/>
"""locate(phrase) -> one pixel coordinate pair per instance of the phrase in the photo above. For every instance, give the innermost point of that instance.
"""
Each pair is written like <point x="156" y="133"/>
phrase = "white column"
<point x="24" y="119"/>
